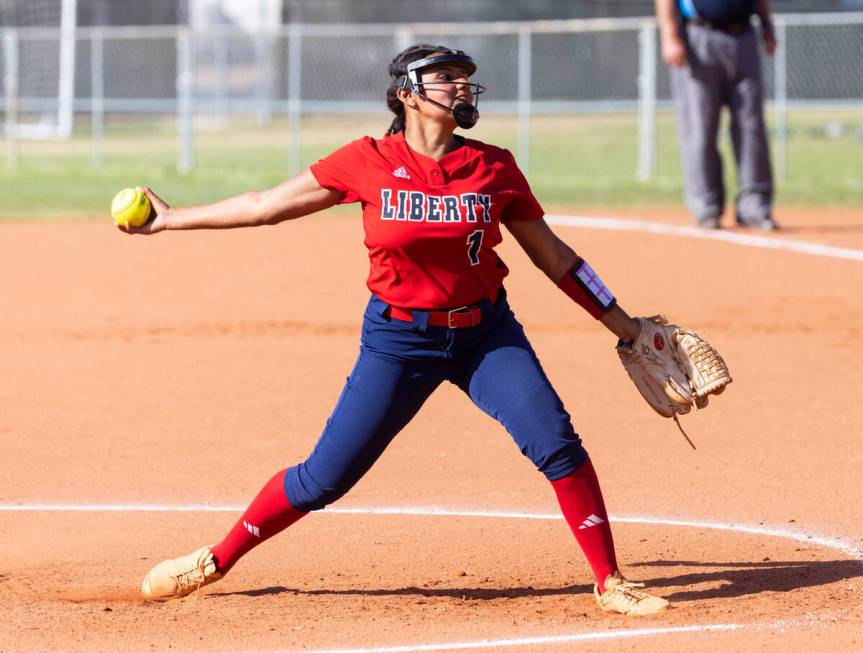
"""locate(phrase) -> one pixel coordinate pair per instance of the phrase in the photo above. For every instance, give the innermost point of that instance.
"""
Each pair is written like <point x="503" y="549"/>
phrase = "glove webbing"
<point x="707" y="361"/>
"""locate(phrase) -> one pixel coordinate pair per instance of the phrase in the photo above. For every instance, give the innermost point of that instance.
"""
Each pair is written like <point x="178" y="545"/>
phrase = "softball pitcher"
<point x="433" y="203"/>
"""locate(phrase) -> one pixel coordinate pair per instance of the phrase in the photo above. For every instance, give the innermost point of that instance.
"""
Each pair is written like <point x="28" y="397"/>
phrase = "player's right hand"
<point x="674" y="51"/>
<point x="158" y="219"/>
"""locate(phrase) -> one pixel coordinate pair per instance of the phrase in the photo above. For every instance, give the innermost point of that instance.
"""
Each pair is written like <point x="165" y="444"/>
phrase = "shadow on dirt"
<point x="742" y="578"/>
<point x="733" y="578"/>
<point x="466" y="593"/>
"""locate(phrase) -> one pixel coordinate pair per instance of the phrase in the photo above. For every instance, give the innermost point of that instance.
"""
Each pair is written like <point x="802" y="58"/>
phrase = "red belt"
<point x="457" y="318"/>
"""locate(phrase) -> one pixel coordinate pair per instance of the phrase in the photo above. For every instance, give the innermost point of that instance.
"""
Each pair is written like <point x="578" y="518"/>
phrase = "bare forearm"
<point x="672" y="46"/>
<point x="239" y="211"/>
<point x="666" y="17"/>
<point x="767" y="32"/>
<point x="620" y="323"/>
<point x="557" y="262"/>
<point x="291" y="199"/>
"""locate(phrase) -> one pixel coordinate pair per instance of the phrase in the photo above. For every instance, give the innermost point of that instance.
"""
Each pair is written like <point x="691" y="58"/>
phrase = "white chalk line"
<point x="827" y="542"/>
<point x="747" y="240"/>
<point x="533" y="641"/>
<point x="429" y="511"/>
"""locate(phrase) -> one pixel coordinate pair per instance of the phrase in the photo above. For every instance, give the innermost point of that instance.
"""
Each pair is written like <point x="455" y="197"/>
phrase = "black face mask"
<point x="465" y="115"/>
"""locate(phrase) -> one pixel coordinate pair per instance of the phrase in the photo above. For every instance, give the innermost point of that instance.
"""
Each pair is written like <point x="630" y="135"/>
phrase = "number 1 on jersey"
<point x="474" y="242"/>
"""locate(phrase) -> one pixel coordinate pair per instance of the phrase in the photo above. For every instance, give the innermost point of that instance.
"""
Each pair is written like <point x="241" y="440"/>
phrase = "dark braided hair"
<point x="398" y="72"/>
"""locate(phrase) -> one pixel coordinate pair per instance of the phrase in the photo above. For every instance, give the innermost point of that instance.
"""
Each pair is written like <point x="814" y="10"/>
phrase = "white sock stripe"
<point x="592" y="520"/>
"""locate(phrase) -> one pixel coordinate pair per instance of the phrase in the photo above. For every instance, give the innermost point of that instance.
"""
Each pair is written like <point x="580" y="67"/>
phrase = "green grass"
<point x="579" y="161"/>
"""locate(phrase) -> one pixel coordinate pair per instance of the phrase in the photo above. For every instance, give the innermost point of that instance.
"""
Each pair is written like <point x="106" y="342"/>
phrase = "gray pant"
<point x="723" y="69"/>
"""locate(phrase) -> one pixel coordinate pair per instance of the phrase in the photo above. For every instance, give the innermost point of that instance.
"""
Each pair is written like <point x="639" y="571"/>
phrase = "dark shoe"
<point x="708" y="223"/>
<point x="764" y="224"/>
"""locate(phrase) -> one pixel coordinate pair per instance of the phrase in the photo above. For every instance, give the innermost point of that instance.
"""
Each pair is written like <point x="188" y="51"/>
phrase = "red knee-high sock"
<point x="269" y="513"/>
<point x="584" y="510"/>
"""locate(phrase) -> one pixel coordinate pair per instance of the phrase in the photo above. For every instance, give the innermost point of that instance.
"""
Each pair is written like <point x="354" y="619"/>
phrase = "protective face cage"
<point x="465" y="114"/>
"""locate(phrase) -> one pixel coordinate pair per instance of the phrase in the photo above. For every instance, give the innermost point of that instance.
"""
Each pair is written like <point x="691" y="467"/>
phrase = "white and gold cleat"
<point x="173" y="579"/>
<point x="627" y="598"/>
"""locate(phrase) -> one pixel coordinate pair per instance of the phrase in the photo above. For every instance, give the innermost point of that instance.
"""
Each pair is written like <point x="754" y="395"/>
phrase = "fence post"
<point x="66" y="91"/>
<point x="97" y="96"/>
<point x="646" y="101"/>
<point x="295" y="86"/>
<point x="10" y="72"/>
<point x="264" y="59"/>
<point x="185" y="102"/>
<point x="404" y="38"/>
<point x="780" y="100"/>
<point x="524" y="96"/>
<point x="219" y="39"/>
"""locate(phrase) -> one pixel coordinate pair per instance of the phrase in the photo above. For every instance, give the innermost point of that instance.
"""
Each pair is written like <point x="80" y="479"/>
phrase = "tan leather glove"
<point x="673" y="368"/>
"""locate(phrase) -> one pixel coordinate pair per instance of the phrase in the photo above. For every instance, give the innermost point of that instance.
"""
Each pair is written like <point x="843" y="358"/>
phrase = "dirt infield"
<point x="144" y="375"/>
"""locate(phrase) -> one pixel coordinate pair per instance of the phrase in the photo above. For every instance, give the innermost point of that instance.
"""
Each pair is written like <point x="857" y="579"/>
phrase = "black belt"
<point x="728" y="27"/>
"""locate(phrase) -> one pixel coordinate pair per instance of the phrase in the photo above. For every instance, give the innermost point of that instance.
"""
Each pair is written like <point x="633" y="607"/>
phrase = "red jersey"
<point x="430" y="226"/>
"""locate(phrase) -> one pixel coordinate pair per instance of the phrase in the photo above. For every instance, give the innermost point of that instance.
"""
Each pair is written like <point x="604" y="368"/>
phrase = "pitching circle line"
<point x="827" y="542"/>
<point x="427" y="511"/>
<point x="746" y="240"/>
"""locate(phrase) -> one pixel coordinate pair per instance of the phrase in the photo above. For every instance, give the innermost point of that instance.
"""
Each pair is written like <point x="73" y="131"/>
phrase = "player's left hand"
<point x="673" y="368"/>
<point x="768" y="35"/>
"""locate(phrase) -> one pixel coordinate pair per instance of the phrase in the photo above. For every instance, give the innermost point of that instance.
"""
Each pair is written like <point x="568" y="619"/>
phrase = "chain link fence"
<point x="216" y="81"/>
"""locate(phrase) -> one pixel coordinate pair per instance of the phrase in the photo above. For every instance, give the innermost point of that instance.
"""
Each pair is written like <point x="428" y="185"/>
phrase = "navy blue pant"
<point x="400" y="365"/>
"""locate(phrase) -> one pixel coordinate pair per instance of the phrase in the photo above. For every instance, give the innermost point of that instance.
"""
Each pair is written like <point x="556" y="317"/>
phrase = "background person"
<point x="714" y="61"/>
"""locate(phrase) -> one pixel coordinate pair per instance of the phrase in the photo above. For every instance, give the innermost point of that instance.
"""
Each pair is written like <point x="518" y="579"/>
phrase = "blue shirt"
<point x="720" y="11"/>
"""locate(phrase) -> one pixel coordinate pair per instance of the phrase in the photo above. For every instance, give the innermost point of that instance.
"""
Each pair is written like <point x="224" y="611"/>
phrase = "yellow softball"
<point x="130" y="206"/>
